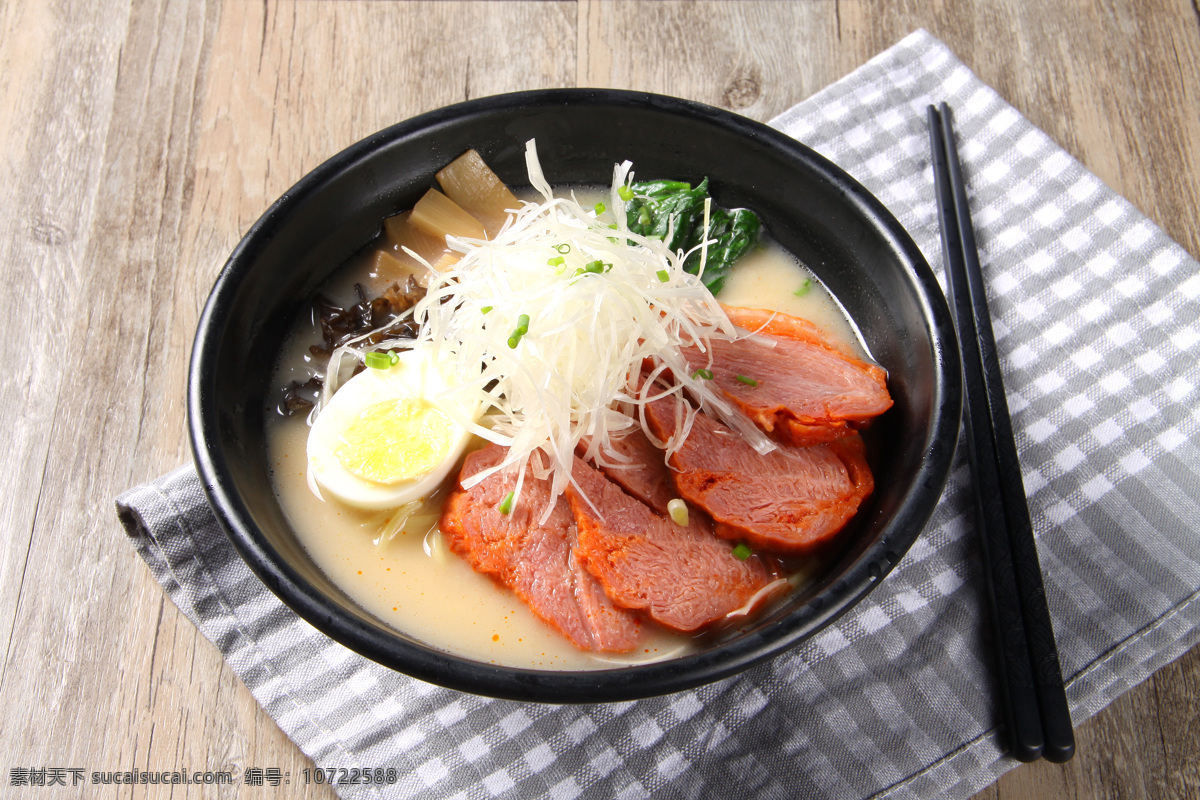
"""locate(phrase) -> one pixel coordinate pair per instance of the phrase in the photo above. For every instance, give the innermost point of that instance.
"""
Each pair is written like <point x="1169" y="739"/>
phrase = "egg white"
<point x="389" y="436"/>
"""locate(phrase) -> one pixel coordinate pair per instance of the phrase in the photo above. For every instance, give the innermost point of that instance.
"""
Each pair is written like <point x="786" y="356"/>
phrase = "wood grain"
<point x="142" y="138"/>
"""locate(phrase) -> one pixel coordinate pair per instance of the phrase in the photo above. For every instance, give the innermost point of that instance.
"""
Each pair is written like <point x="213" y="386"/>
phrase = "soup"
<point x="411" y="581"/>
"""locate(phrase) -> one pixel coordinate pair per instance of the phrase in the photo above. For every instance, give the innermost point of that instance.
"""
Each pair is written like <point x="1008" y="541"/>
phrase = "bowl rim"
<point x="569" y="686"/>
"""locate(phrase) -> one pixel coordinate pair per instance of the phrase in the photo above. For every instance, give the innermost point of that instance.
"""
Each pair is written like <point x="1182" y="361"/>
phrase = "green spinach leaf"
<point x="675" y="207"/>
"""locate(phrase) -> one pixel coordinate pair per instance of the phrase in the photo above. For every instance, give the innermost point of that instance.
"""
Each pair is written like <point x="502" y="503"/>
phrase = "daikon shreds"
<point x="552" y="322"/>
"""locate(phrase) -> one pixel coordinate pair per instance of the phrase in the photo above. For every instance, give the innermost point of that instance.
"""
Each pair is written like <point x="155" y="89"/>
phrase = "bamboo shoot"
<point x="438" y="215"/>
<point x="385" y="268"/>
<point x="472" y="184"/>
<point x="400" y="232"/>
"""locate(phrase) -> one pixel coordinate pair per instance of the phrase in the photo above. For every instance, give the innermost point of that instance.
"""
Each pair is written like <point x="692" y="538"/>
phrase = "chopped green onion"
<point x="804" y="287"/>
<point x="663" y="276"/>
<point x="522" y="328"/>
<point x="678" y="510"/>
<point x="601" y="208"/>
<point x="595" y="267"/>
<point x="506" y="505"/>
<point x="644" y="218"/>
<point x="378" y="360"/>
<point x="705" y="374"/>
<point x="563" y="248"/>
<point x="742" y="551"/>
<point x="485" y="309"/>
<point x="745" y="380"/>
<point x="625" y="193"/>
<point x="557" y="261"/>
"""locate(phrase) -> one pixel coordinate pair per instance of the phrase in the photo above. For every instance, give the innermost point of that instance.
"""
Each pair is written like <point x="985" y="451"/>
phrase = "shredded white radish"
<point x="777" y="585"/>
<point x="601" y="302"/>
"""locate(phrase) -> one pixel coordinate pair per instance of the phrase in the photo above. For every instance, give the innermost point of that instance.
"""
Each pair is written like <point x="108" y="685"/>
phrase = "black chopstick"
<point x="1033" y="697"/>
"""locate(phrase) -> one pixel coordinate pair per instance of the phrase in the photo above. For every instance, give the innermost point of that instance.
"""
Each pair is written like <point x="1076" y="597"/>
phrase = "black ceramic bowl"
<point x="807" y="204"/>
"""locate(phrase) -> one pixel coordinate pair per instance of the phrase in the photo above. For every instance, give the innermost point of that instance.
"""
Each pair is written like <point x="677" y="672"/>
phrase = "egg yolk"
<point x="395" y="441"/>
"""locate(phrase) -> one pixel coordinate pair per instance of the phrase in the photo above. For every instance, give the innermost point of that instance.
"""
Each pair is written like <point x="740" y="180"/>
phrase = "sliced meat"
<point x="637" y="466"/>
<point x="536" y="561"/>
<point x="789" y="501"/>
<point x="803" y="389"/>
<point x="684" y="578"/>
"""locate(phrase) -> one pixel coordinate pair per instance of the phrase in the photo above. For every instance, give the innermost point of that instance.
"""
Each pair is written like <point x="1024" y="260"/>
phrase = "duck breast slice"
<point x="635" y="464"/>
<point x="791" y="380"/>
<point x="684" y="578"/>
<point x="789" y="501"/>
<point x="536" y="561"/>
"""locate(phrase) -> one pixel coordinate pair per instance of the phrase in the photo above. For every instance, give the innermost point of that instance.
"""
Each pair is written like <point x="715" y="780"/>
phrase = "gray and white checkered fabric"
<point x="1096" y="315"/>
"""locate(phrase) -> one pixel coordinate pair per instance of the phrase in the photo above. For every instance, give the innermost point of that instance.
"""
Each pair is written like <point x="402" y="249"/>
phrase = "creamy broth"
<point x="771" y="278"/>
<point x="413" y="582"/>
<point x="416" y="585"/>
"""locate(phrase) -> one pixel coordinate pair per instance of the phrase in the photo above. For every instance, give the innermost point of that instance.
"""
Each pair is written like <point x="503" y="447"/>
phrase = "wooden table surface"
<point x="141" y="139"/>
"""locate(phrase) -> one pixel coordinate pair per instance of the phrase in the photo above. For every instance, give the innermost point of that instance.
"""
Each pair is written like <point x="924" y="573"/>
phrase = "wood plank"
<point x="82" y="662"/>
<point x="744" y="57"/>
<point x="48" y="205"/>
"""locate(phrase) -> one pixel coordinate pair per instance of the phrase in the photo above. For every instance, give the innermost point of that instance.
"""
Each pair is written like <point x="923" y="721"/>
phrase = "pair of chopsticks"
<point x="1035" y="707"/>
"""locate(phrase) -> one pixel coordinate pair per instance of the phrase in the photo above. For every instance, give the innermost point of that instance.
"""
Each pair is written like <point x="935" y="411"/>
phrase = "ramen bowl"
<point x="844" y="235"/>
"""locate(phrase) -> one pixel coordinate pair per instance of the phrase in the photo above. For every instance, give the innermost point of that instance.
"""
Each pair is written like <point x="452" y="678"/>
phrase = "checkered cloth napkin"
<point x="1095" y="316"/>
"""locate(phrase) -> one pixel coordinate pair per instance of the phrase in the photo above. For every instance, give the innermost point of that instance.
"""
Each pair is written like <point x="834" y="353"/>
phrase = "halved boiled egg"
<point x="389" y="436"/>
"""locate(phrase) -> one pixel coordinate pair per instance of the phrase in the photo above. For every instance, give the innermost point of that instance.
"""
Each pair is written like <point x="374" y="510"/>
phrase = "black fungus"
<point x="339" y="325"/>
<point x="299" y="398"/>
